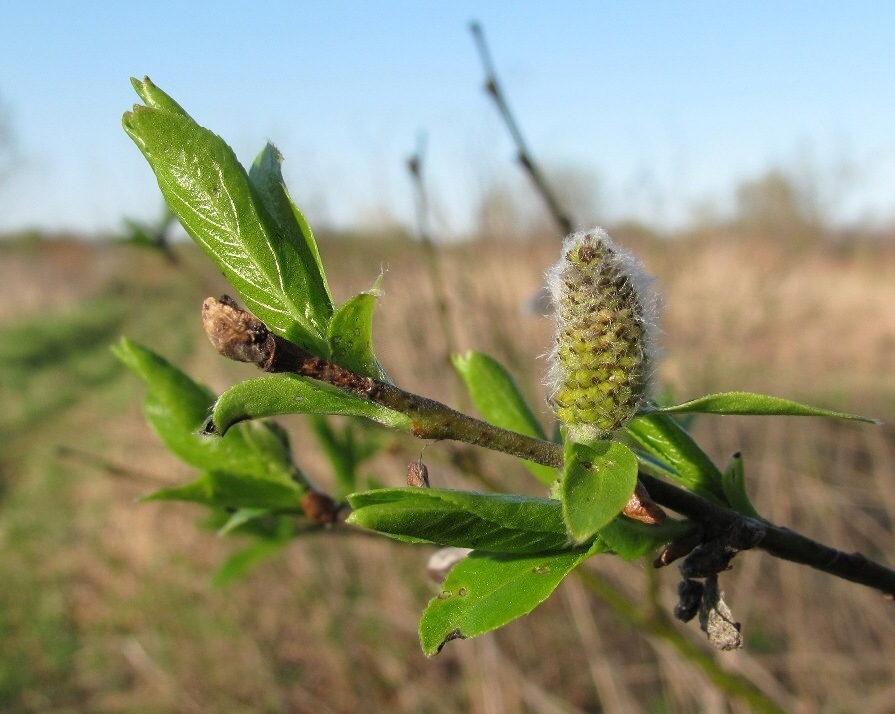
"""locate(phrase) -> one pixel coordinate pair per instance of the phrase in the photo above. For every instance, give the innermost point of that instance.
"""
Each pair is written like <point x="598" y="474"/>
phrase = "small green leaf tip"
<point x="604" y="354"/>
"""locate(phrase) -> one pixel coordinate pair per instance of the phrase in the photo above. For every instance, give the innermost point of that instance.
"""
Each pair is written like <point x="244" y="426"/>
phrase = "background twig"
<point x="524" y="156"/>
<point x="415" y="166"/>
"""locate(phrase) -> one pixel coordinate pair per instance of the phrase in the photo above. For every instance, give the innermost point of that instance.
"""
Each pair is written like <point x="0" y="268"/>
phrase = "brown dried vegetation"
<point x="106" y="604"/>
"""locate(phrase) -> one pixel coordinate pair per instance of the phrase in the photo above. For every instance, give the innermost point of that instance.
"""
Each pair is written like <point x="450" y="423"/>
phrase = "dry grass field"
<point x="107" y="606"/>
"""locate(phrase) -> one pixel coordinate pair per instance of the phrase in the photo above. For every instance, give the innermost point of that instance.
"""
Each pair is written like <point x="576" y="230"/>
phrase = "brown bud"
<point x="641" y="507"/>
<point x="417" y="474"/>
<point x="678" y="549"/>
<point x="319" y="507"/>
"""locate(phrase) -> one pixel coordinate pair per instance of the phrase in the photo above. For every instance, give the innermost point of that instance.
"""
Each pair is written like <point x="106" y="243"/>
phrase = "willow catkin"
<point x="602" y="362"/>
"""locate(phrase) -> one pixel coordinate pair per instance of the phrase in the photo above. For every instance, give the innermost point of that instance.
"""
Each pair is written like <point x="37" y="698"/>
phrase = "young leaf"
<point x="238" y="564"/>
<point x="758" y="404"/>
<point x="598" y="480"/>
<point x="242" y="516"/>
<point x="485" y="591"/>
<point x="185" y="401"/>
<point x="654" y="466"/>
<point x="346" y="448"/>
<point x="631" y="539"/>
<point x="499" y="400"/>
<point x="219" y="488"/>
<point x="290" y="394"/>
<point x="350" y="336"/>
<point x="307" y="277"/>
<point x="264" y="257"/>
<point x="484" y="521"/>
<point x="662" y="437"/>
<point x="176" y="407"/>
<point x="155" y="97"/>
<point x="733" y="481"/>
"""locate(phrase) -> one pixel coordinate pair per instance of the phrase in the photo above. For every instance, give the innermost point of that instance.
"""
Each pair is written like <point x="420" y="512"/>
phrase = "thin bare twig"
<point x="108" y="466"/>
<point x="524" y="156"/>
<point x="415" y="166"/>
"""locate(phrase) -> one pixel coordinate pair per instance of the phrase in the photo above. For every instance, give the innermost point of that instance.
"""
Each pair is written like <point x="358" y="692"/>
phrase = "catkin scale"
<point x="602" y="362"/>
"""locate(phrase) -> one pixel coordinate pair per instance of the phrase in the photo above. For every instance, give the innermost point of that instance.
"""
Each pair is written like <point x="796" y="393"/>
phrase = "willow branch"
<point x="775" y="540"/>
<point x="241" y="336"/>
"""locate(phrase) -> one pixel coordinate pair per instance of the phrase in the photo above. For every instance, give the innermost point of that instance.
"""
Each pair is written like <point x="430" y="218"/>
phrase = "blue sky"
<point x="668" y="104"/>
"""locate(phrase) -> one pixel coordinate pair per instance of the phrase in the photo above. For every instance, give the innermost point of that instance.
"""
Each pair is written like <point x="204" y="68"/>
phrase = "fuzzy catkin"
<point x="602" y="362"/>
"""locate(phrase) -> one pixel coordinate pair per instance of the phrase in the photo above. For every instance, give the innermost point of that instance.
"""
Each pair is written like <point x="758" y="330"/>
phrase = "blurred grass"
<point x="106" y="605"/>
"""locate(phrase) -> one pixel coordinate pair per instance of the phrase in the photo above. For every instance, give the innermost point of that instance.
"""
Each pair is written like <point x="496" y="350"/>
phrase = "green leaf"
<point x="757" y="404"/>
<point x="176" y="408"/>
<point x="306" y="278"/>
<point x="631" y="539"/>
<point x="484" y="521"/>
<point x="655" y="466"/>
<point x="291" y="394"/>
<point x="155" y="97"/>
<point x="499" y="400"/>
<point x="485" y="591"/>
<point x="220" y="488"/>
<point x="185" y="401"/>
<point x="346" y="448"/>
<point x="662" y="437"/>
<point x="337" y="452"/>
<point x="350" y="336"/>
<point x="263" y="256"/>
<point x="239" y="518"/>
<point x="598" y="480"/>
<point x="238" y="563"/>
<point x="496" y="394"/>
<point x="733" y="481"/>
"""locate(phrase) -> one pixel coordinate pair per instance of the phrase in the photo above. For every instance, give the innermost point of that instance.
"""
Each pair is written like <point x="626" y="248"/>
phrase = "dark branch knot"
<point x="699" y="592"/>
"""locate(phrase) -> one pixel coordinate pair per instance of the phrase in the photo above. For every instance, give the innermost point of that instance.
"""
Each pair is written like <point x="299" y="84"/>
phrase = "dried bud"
<point x="236" y="333"/>
<point x="716" y="619"/>
<point x="417" y="474"/>
<point x="602" y="362"/>
<point x="690" y="594"/>
<point x="678" y="549"/>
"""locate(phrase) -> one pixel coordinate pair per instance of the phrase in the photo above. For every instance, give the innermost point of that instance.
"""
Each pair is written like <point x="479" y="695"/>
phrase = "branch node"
<point x="319" y="508"/>
<point x="679" y="548"/>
